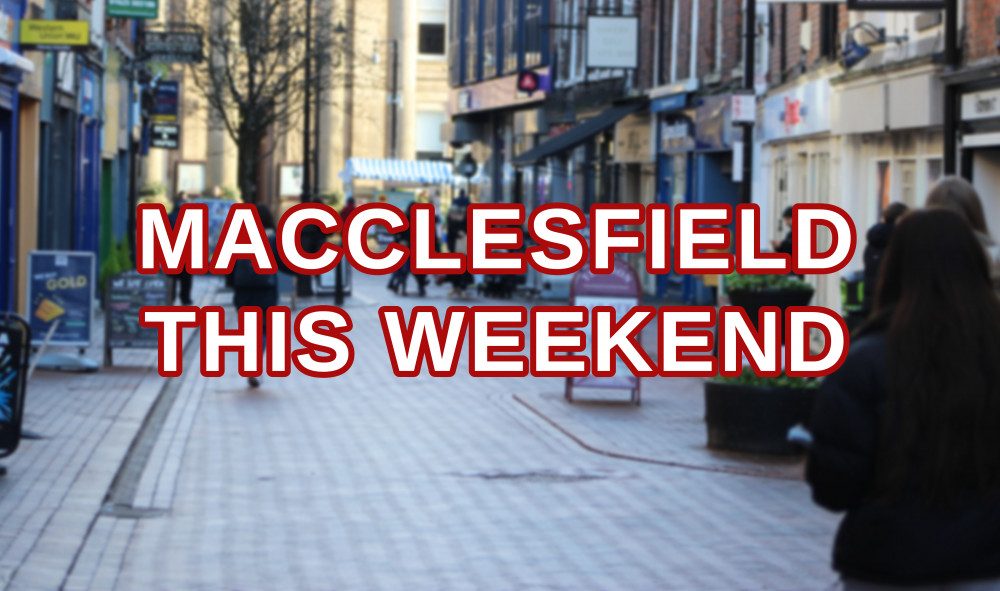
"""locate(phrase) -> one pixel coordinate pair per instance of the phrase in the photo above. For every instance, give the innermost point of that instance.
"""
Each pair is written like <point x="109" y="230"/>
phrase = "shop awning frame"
<point x="579" y="134"/>
<point x="414" y="172"/>
<point x="12" y="59"/>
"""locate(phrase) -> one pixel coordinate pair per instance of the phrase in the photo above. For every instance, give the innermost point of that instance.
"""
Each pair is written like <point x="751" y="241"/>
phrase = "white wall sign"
<point x="981" y="105"/>
<point x="612" y="42"/>
<point x="744" y="108"/>
<point x="634" y="139"/>
<point x="290" y="180"/>
<point x="803" y="110"/>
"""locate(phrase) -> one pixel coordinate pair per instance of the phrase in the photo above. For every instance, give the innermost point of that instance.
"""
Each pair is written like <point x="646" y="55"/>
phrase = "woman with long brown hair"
<point x="906" y="434"/>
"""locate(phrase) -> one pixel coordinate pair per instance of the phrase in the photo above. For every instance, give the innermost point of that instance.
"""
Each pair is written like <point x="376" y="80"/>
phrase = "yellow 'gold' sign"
<point x="55" y="33"/>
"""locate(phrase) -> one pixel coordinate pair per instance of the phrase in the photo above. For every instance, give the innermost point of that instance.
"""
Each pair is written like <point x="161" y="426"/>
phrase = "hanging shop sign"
<point x="140" y="9"/>
<point x="172" y="47"/>
<point x="165" y="102"/>
<point x="54" y="35"/>
<point x="608" y="43"/>
<point x="165" y="136"/>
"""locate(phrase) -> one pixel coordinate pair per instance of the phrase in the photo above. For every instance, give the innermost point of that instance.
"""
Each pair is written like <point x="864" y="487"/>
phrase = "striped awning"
<point x="425" y="172"/>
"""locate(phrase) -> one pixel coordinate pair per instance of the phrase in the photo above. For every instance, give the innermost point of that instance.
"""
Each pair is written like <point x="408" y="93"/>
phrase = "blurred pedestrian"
<point x="958" y="195"/>
<point x="878" y="239"/>
<point x="183" y="279"/>
<point x="399" y="277"/>
<point x="349" y="206"/>
<point x="785" y="245"/>
<point x="906" y="434"/>
<point x="458" y="216"/>
<point x="258" y="290"/>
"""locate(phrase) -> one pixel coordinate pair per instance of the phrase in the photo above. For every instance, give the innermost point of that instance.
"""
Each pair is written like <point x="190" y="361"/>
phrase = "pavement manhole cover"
<point x="130" y="512"/>
<point x="539" y="476"/>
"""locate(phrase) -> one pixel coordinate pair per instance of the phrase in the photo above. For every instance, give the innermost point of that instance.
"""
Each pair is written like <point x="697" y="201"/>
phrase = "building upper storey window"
<point x="491" y="38"/>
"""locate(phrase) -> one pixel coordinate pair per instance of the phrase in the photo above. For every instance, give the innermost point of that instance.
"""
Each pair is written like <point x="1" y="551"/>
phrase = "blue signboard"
<point x="165" y="104"/>
<point x="88" y="87"/>
<point x="61" y="288"/>
<point x="670" y="102"/>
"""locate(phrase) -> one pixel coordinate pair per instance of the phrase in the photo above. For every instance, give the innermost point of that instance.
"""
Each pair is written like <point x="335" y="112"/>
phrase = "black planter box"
<point x="753" y="301"/>
<point x="755" y="419"/>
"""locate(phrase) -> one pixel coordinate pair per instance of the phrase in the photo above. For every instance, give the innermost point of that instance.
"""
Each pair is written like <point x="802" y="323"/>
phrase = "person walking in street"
<point x="958" y="195"/>
<point x="785" y="245"/>
<point x="906" y="434"/>
<point x="878" y="239"/>
<point x="458" y="216"/>
<point x="183" y="279"/>
<point x="399" y="278"/>
<point x="251" y="289"/>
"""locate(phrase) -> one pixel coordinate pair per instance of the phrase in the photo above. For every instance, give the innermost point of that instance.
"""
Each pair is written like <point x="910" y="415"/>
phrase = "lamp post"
<point x="394" y="100"/>
<point x="749" y="70"/>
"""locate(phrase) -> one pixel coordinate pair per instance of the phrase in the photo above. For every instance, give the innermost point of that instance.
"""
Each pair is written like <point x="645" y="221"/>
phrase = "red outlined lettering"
<point x="424" y="258"/>
<point x="604" y="240"/>
<point x="739" y="338"/>
<point x="279" y="346"/>
<point x="183" y="247"/>
<point x="806" y="217"/>
<point x="424" y="339"/>
<point x="492" y="331"/>
<point x="290" y="243"/>
<point x="243" y="221"/>
<point x="555" y="228"/>
<point x="555" y="337"/>
<point x="169" y="320"/>
<point x="356" y="238"/>
<point x="613" y="338"/>
<point x="691" y="235"/>
<point x="749" y="259"/>
<point x="326" y="351"/>
<point x="245" y="340"/>
<point x="487" y="235"/>
<point x="658" y="242"/>
<point x="799" y="361"/>
<point x="678" y="341"/>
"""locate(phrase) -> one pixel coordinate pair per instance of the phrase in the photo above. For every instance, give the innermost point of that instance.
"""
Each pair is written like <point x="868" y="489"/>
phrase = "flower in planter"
<point x="737" y="282"/>
<point x="749" y="378"/>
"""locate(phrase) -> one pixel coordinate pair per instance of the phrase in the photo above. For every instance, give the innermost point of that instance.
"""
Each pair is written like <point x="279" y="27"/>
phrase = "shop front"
<point x="887" y="154"/>
<point x="980" y="147"/>
<point x="487" y="122"/>
<point x="12" y="66"/>
<point x="799" y="158"/>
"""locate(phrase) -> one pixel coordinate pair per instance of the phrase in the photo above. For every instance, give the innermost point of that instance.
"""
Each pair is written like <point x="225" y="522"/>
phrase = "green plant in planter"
<point x="736" y="282"/>
<point x="749" y="378"/>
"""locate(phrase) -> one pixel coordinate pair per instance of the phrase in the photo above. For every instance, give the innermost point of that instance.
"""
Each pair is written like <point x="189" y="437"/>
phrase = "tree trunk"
<point x="248" y="158"/>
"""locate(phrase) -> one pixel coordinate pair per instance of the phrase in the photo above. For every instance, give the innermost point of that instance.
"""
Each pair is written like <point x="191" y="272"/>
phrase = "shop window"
<point x="883" y="187"/>
<point x="432" y="37"/>
<point x="908" y="182"/>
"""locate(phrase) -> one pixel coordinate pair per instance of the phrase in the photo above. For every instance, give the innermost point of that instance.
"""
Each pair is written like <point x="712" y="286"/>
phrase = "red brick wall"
<point x="981" y="24"/>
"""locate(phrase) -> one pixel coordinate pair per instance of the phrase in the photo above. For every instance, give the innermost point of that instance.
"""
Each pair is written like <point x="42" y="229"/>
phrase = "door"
<point x="671" y="188"/>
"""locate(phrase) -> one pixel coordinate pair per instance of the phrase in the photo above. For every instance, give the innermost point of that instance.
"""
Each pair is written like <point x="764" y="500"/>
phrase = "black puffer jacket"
<point x="904" y="543"/>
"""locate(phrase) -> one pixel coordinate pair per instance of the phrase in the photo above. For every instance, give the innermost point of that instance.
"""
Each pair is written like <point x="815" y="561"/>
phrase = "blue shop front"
<point x="695" y="165"/>
<point x="12" y="66"/>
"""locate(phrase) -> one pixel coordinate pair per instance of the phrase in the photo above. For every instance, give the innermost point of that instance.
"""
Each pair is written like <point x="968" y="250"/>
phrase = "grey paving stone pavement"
<point x="368" y="481"/>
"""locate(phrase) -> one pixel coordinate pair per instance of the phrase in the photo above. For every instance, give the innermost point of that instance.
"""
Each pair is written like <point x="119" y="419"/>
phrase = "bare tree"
<point x="253" y="77"/>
